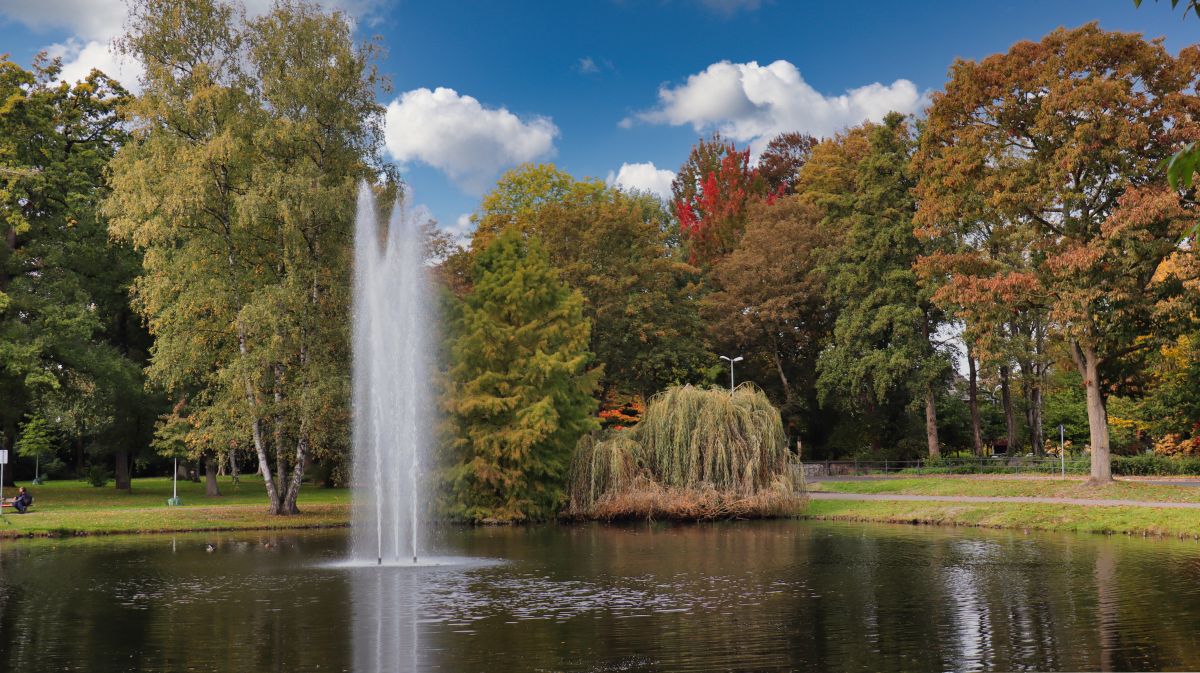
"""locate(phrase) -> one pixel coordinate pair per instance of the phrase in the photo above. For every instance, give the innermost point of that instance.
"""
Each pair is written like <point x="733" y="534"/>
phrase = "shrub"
<point x="97" y="476"/>
<point x="1155" y="465"/>
<point x="696" y="454"/>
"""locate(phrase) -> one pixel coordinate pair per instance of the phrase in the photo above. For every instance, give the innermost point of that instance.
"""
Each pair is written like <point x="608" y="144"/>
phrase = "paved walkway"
<point x="1157" y="481"/>
<point x="1098" y="502"/>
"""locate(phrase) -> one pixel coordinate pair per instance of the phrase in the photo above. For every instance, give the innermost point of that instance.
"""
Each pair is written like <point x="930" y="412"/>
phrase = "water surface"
<point x="765" y="596"/>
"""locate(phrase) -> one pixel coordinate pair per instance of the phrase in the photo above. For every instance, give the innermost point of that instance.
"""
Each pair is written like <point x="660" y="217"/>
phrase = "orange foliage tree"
<point x="1059" y="146"/>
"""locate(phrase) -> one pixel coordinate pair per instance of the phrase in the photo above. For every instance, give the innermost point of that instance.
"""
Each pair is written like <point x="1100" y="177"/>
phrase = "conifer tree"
<point x="521" y="392"/>
<point x="884" y="336"/>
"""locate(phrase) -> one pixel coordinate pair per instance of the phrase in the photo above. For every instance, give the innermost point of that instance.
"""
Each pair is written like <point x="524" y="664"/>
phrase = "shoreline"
<point x="1146" y="522"/>
<point x="67" y="510"/>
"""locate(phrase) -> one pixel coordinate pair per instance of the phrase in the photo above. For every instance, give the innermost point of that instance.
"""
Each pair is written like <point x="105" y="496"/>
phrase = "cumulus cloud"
<point x="99" y="20"/>
<point x="752" y="103"/>
<point x="94" y="24"/>
<point x="79" y="58"/>
<point x="457" y="135"/>
<point x="644" y="177"/>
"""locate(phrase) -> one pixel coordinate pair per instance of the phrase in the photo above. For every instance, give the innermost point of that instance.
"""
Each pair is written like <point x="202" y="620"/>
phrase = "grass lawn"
<point x="994" y="486"/>
<point x="1127" y="520"/>
<point x="76" y="508"/>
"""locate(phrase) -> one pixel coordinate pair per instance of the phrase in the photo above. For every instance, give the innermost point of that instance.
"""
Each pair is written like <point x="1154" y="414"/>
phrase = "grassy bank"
<point x="75" y="508"/>
<point x="1000" y="487"/>
<point x="1067" y="518"/>
<point x="1028" y="516"/>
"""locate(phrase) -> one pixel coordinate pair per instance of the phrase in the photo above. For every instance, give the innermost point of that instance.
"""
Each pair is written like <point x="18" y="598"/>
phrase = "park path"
<point x="1087" y="502"/>
<point x="1156" y="481"/>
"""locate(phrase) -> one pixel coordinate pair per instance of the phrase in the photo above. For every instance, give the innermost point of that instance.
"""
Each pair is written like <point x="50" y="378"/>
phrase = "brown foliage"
<point x="647" y="499"/>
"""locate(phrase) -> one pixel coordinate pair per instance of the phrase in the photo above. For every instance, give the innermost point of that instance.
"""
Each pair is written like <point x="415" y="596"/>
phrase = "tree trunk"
<point x="79" y="456"/>
<point x="931" y="434"/>
<point x="1088" y="363"/>
<point x="211" y="488"/>
<point x="181" y="471"/>
<point x="783" y="379"/>
<point x="233" y="466"/>
<point x="1010" y="419"/>
<point x="124" y="482"/>
<point x="1037" y="435"/>
<point x="1039" y="385"/>
<point x="973" y="403"/>
<point x="256" y="433"/>
<point x="293" y="492"/>
<point x="10" y="242"/>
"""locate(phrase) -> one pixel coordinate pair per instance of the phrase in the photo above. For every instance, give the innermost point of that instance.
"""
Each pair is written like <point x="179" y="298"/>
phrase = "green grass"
<point x="993" y="486"/>
<point x="1066" y="518"/>
<point x="76" y="508"/>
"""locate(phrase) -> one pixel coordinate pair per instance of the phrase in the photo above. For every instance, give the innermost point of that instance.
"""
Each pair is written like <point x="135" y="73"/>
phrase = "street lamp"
<point x="731" y="361"/>
<point x="174" y="501"/>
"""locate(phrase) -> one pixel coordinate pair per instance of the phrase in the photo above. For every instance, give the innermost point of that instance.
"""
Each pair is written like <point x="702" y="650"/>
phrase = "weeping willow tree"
<point x="696" y="454"/>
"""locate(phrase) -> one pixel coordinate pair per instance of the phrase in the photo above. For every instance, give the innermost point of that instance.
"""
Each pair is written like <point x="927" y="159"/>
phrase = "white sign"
<point x="3" y="456"/>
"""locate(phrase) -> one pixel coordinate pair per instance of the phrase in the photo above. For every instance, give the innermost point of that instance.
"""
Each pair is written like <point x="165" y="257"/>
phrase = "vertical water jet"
<point x="392" y="343"/>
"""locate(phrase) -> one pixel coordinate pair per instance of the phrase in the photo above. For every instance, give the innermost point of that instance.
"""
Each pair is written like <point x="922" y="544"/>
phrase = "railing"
<point x="978" y="465"/>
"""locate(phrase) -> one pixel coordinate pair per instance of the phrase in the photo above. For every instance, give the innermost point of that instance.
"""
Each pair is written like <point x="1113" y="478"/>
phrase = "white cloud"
<point x="456" y="134"/>
<point x="644" y="177"/>
<point x="80" y="58"/>
<point x="93" y="24"/>
<point x="99" y="20"/>
<point x="587" y="65"/>
<point x="752" y="103"/>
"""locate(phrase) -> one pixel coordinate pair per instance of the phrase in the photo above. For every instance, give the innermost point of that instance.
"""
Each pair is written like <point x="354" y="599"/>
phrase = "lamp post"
<point x="174" y="501"/>
<point x="731" y="361"/>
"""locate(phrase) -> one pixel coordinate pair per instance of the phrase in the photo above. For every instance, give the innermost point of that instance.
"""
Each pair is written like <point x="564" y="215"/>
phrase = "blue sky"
<point x="479" y="86"/>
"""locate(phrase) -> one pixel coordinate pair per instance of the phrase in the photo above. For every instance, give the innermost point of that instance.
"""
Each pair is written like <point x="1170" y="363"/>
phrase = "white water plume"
<point x="393" y="410"/>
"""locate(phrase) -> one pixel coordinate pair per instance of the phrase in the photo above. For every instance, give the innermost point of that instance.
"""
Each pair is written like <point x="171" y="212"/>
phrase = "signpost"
<point x="3" y="462"/>
<point x="1062" y="450"/>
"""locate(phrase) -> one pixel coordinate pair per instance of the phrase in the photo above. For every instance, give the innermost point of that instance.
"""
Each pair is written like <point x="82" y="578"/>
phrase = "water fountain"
<point x="393" y="413"/>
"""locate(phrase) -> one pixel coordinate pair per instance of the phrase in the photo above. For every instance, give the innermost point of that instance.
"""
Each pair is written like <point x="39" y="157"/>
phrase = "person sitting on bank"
<point x="23" y="500"/>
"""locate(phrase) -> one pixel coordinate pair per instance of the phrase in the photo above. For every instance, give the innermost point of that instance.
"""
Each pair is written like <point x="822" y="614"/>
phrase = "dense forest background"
<point x="174" y="277"/>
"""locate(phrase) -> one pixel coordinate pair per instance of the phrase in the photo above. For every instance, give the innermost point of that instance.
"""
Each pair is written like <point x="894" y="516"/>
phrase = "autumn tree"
<point x="781" y="161"/>
<point x="1062" y="142"/>
<point x="884" y="338"/>
<point x="710" y="195"/>
<point x="769" y="300"/>
<point x="520" y="391"/>
<point x="238" y="186"/>
<point x="622" y="253"/>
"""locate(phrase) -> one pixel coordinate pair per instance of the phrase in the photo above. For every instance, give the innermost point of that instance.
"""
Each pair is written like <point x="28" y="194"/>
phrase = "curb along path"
<point x="1086" y="502"/>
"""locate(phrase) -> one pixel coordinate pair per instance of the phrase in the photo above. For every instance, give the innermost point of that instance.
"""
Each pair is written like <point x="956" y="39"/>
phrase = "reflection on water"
<point x="767" y="596"/>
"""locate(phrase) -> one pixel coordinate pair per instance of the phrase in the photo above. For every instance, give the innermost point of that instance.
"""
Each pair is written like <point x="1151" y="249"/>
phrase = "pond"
<point x="751" y="596"/>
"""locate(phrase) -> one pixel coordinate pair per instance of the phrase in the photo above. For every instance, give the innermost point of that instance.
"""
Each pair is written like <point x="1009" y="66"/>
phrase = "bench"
<point x="8" y="504"/>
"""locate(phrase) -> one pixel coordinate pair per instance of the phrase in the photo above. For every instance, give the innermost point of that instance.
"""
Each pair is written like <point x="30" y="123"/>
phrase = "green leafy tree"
<point x="238" y="185"/>
<point x="68" y="339"/>
<point x="884" y="339"/>
<point x="621" y="251"/>
<point x="37" y="442"/>
<point x="520" y="393"/>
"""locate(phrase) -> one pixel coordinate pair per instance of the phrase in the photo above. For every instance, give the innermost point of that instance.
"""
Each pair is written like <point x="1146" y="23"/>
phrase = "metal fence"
<point x="978" y="465"/>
